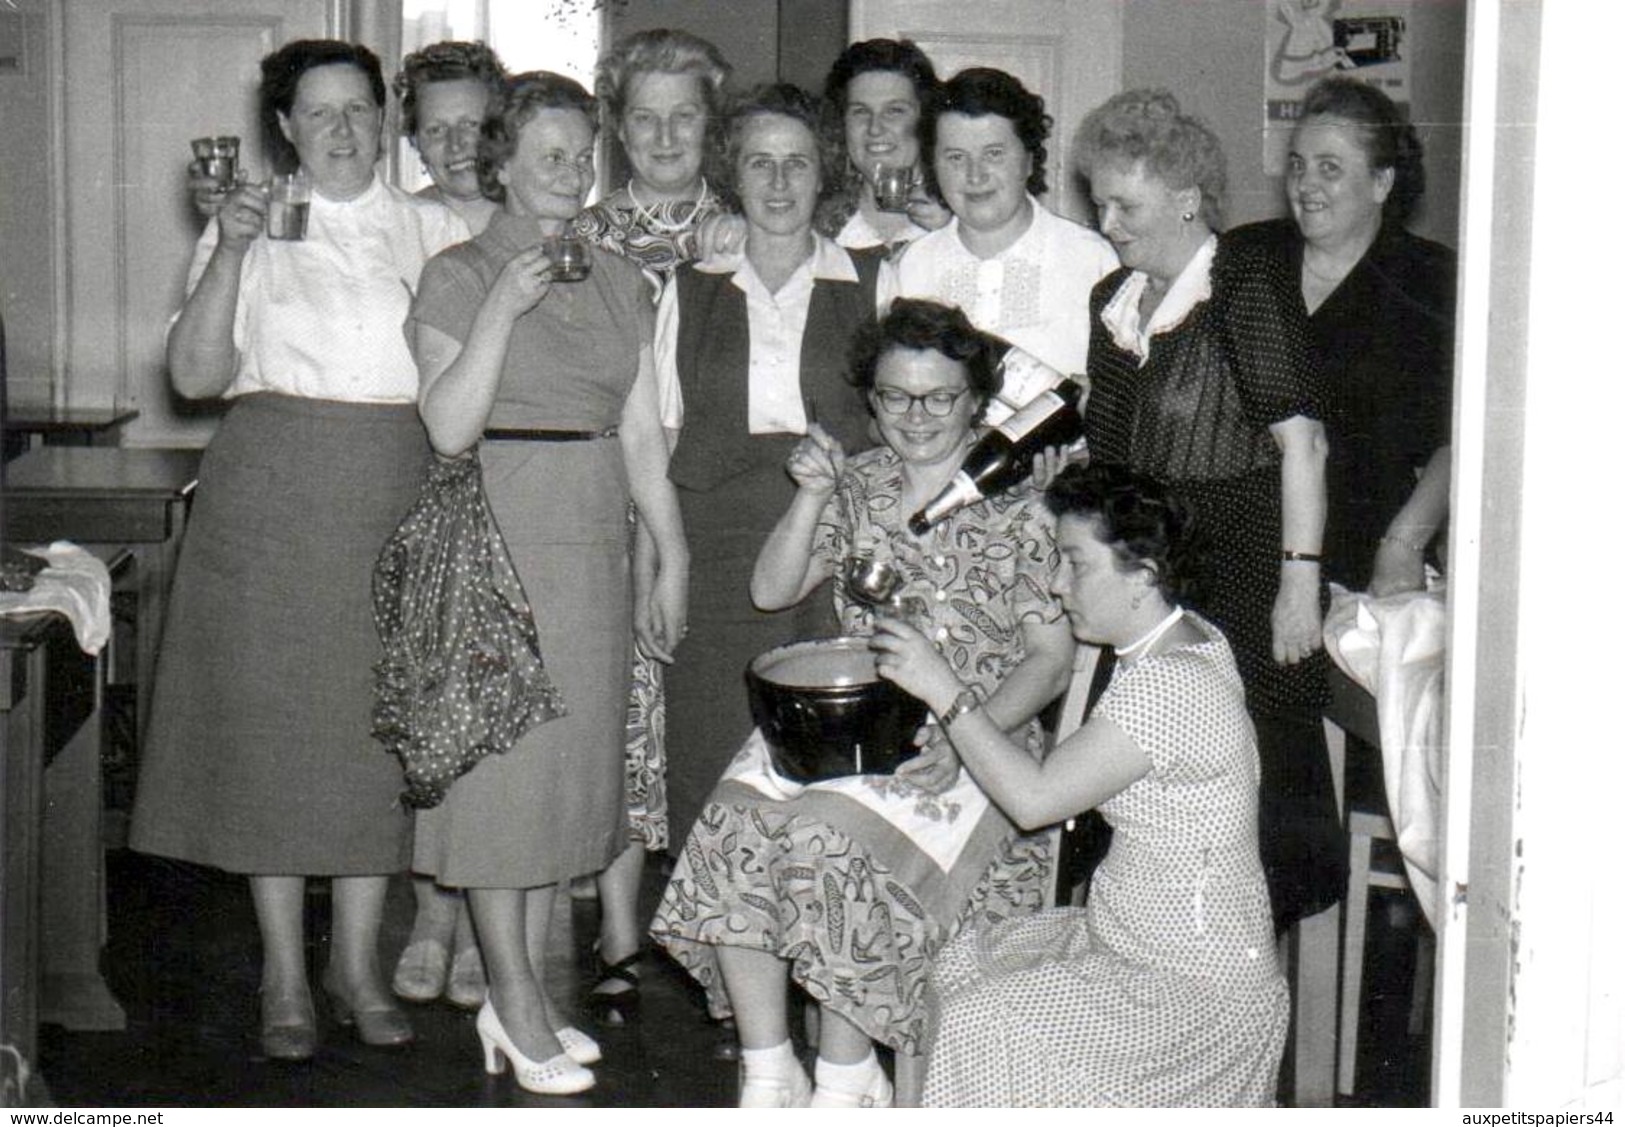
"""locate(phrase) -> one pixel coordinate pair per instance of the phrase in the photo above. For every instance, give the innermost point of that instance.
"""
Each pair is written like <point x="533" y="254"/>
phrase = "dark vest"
<point x="713" y="366"/>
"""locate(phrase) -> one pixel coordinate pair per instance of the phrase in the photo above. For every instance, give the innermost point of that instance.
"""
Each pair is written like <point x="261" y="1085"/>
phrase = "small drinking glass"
<point x="217" y="156"/>
<point x="892" y="186"/>
<point x="289" y="212"/>
<point x="567" y="256"/>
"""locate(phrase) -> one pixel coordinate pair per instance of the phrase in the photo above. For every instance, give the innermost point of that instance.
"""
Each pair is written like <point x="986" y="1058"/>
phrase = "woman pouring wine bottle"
<point x="868" y="871"/>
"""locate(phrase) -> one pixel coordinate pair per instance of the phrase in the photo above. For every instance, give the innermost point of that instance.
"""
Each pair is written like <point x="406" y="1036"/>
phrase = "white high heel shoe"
<point x="578" y="1046"/>
<point x="556" y="1076"/>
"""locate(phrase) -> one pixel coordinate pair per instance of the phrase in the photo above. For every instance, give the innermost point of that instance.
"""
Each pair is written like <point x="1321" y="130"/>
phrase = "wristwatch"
<point x="966" y="701"/>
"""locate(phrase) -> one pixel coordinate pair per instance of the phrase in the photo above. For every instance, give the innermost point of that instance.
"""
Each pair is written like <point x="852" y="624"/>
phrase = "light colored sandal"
<point x="420" y="975"/>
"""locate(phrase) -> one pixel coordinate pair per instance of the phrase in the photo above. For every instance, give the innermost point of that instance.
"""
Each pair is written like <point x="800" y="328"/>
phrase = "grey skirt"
<point x="259" y="758"/>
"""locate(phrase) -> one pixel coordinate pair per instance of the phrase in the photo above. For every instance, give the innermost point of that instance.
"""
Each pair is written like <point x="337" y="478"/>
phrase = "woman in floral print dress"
<point x="853" y="884"/>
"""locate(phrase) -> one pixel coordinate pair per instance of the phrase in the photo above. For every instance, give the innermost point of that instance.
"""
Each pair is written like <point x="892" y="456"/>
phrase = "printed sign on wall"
<point x="1307" y="40"/>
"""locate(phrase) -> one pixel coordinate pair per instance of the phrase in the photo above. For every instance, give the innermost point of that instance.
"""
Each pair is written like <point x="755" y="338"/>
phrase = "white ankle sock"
<point x="780" y="1060"/>
<point x="853" y="1078"/>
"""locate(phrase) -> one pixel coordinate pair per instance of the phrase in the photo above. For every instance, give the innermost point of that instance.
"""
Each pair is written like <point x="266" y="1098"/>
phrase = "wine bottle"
<point x="1004" y="455"/>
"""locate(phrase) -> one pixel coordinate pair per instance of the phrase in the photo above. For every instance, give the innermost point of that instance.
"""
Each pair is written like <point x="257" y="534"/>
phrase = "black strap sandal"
<point x="617" y="1007"/>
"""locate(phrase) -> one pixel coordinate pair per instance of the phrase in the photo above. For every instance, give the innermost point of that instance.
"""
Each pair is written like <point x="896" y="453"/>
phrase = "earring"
<point x="1188" y="216"/>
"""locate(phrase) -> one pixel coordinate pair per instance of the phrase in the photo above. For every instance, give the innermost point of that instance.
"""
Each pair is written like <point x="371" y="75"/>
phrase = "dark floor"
<point x="182" y="955"/>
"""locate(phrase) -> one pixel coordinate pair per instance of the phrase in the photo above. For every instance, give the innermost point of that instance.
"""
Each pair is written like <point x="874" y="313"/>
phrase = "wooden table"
<point x="31" y="427"/>
<point x="96" y="495"/>
<point x="52" y="908"/>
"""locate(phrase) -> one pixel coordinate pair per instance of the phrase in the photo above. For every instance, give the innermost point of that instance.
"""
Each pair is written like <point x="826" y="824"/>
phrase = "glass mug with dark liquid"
<point x="288" y="212"/>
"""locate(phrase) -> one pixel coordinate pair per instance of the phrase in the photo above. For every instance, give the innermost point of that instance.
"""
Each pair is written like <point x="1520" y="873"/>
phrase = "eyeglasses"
<point x="937" y="404"/>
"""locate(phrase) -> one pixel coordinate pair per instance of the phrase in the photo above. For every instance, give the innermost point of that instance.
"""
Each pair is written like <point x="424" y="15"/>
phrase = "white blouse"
<point x="777" y="323"/>
<point x="323" y="317"/>
<point x="1034" y="293"/>
<point x="1194" y="285"/>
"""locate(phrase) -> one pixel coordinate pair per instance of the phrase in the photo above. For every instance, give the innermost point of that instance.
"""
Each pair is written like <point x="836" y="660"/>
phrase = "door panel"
<point x="1068" y="51"/>
<point x="143" y="77"/>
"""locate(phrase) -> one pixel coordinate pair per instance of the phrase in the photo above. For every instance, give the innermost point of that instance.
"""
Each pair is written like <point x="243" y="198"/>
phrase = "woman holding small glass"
<point x="852" y="884"/>
<point x="260" y="758"/>
<point x="874" y="98"/>
<point x="537" y="348"/>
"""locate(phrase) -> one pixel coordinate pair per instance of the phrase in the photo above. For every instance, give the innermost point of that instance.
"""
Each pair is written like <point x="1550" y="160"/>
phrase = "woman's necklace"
<point x="662" y="226"/>
<point x="1145" y="641"/>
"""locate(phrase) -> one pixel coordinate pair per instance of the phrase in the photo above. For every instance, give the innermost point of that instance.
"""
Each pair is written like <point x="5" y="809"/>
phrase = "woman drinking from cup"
<point x="260" y="758"/>
<point x="1203" y="377"/>
<point x="751" y="352"/>
<point x="556" y="378"/>
<point x="1165" y="991"/>
<point x="853" y="884"/>
<point x="1018" y="270"/>
<point x="664" y="93"/>
<point x="874" y="97"/>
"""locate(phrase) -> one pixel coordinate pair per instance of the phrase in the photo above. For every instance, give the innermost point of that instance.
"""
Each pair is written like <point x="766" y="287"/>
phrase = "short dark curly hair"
<point x="979" y="91"/>
<point x="1385" y="135"/>
<point x="1147" y="127"/>
<point x="449" y="61"/>
<point x="893" y="56"/>
<point x="921" y="326"/>
<point x="527" y="95"/>
<point x="1146" y="523"/>
<point x="781" y="99"/>
<point x="280" y="72"/>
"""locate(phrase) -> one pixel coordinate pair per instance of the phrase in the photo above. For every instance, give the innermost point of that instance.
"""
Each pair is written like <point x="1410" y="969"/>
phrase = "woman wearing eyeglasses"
<point x="852" y="885"/>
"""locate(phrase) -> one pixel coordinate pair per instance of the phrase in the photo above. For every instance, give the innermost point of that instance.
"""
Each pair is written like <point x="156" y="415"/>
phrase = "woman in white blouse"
<point x="750" y="351"/>
<point x="259" y="757"/>
<point x="1018" y="270"/>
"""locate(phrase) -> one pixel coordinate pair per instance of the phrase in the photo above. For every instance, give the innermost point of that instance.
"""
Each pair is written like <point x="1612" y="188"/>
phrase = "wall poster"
<point x="1307" y="40"/>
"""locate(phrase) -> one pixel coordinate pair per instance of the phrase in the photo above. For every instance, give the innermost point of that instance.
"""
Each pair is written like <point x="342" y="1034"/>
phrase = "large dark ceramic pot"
<point x="825" y="712"/>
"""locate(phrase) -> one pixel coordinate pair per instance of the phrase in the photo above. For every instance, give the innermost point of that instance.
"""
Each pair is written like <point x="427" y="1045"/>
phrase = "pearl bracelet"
<point x="1417" y="549"/>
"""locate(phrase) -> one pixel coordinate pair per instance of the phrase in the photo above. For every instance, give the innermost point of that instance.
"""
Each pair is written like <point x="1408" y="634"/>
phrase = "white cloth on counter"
<point x="1394" y="648"/>
<point x="74" y="584"/>
<point x="321" y="317"/>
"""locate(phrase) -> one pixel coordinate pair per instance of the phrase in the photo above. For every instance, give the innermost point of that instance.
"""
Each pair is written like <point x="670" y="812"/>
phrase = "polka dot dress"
<point x="1197" y="415"/>
<point x="1165" y="990"/>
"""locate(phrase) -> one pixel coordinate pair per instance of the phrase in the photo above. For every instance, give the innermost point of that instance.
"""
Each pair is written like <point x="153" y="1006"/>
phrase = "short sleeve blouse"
<point x="1200" y="405"/>
<point x="572" y="359"/>
<point x="320" y="317"/>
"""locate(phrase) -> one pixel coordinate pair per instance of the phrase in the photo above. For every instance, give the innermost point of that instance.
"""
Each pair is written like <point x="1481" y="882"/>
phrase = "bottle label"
<point x="1025" y="378"/>
<point x="1032" y="416"/>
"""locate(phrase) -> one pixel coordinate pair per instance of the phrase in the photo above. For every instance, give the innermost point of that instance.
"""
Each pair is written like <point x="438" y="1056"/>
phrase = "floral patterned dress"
<point x="859" y="881"/>
<point x="659" y="239"/>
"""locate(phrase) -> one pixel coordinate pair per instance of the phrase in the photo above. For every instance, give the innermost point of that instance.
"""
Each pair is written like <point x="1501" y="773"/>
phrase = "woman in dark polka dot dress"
<point x="1165" y="990"/>
<point x="1200" y="362"/>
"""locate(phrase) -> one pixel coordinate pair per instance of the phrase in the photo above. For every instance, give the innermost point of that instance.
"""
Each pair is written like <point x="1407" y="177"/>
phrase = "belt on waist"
<point x="532" y="434"/>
